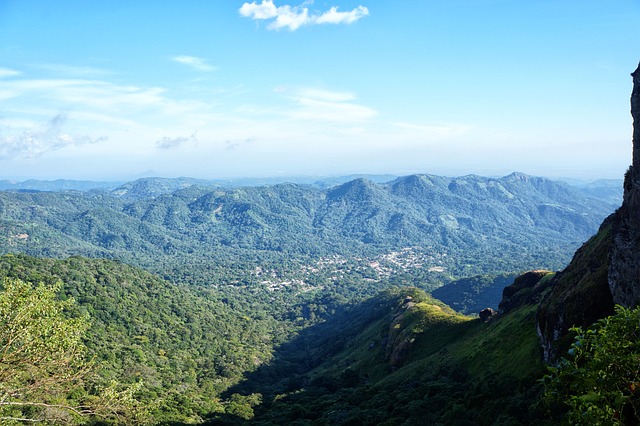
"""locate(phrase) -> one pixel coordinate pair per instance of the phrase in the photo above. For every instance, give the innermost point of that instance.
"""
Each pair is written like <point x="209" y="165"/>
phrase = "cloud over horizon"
<point x="172" y="143"/>
<point x="44" y="138"/>
<point x="294" y="17"/>
<point x="327" y="105"/>
<point x="8" y="72"/>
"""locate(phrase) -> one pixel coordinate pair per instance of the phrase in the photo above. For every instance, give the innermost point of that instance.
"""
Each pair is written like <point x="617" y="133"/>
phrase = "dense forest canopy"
<point x="283" y="300"/>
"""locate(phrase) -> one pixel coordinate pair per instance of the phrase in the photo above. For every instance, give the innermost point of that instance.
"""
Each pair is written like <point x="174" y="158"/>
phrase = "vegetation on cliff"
<point x="598" y="381"/>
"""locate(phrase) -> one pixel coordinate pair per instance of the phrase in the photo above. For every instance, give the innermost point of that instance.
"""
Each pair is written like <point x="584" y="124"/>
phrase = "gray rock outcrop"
<point x="605" y="271"/>
<point x="624" y="268"/>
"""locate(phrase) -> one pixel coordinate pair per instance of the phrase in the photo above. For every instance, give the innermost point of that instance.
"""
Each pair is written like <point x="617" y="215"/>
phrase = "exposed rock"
<point x="522" y="291"/>
<point x="486" y="314"/>
<point x="398" y="341"/>
<point x="577" y="296"/>
<point x="605" y="271"/>
<point x="624" y="270"/>
<point x="400" y="354"/>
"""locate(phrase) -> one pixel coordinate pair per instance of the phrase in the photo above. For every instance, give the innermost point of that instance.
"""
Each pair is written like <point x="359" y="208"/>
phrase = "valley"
<point x="313" y="213"/>
<point x="240" y="302"/>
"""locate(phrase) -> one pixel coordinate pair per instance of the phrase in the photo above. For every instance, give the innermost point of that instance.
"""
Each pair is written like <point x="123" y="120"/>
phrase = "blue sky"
<point x="113" y="90"/>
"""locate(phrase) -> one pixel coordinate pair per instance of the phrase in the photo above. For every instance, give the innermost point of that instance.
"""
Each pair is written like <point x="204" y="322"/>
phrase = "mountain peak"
<point x="518" y="176"/>
<point x="359" y="188"/>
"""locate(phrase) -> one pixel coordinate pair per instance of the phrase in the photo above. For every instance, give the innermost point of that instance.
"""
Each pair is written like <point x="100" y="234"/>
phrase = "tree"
<point x="599" y="382"/>
<point x="44" y="373"/>
<point x="242" y="406"/>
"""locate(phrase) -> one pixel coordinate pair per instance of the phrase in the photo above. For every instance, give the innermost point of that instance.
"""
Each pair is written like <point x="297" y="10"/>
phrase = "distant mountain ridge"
<point x="540" y="219"/>
<point x="609" y="190"/>
<point x="56" y="185"/>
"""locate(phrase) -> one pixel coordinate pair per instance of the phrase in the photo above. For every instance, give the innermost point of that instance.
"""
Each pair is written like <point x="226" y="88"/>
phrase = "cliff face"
<point x="624" y="269"/>
<point x="605" y="271"/>
<point x="577" y="296"/>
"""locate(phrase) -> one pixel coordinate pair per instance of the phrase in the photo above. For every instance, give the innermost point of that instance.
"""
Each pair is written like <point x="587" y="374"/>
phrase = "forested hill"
<point x="225" y="355"/>
<point x="471" y="217"/>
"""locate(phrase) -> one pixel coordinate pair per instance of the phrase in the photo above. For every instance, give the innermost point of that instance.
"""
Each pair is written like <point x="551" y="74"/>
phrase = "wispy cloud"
<point x="326" y="105"/>
<point x="44" y="138"/>
<point x="7" y="72"/>
<point x="230" y="145"/>
<point x="193" y="61"/>
<point x="335" y="17"/>
<point x="97" y="96"/>
<point x="176" y="142"/>
<point x="76" y="71"/>
<point x="326" y="95"/>
<point x="293" y="17"/>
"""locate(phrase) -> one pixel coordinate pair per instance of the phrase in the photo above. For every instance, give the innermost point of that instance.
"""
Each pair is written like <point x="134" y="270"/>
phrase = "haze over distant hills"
<point x="285" y="260"/>
<point x="606" y="189"/>
<point x="541" y="219"/>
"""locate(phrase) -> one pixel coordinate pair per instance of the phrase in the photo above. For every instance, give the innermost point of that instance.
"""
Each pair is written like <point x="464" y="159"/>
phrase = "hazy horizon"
<point x="226" y="90"/>
<point x="306" y="179"/>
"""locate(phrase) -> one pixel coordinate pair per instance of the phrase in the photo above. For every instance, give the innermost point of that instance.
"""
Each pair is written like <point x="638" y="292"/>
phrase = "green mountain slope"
<point x="512" y="223"/>
<point x="416" y="362"/>
<point x="185" y="344"/>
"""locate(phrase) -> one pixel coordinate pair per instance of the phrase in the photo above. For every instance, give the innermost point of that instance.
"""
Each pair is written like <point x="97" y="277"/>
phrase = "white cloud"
<point x="293" y="17"/>
<point x="7" y="72"/>
<point x="326" y="105"/>
<point x="335" y="17"/>
<point x="198" y="63"/>
<point x="265" y="10"/>
<point x="41" y="139"/>
<point x="97" y="96"/>
<point x="326" y="95"/>
<point x="76" y="71"/>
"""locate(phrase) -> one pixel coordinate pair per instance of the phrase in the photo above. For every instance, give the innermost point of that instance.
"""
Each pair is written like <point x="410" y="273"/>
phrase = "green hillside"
<point x="184" y="344"/>
<point x="294" y="303"/>
<point x="226" y="354"/>
<point x="513" y="223"/>
<point x="419" y="363"/>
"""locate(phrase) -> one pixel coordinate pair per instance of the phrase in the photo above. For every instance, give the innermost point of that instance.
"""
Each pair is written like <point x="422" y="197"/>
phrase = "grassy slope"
<point x="457" y="370"/>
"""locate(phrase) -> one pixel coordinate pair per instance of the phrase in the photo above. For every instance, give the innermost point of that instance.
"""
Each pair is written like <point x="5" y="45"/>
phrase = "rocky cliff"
<point x="605" y="271"/>
<point x="624" y="269"/>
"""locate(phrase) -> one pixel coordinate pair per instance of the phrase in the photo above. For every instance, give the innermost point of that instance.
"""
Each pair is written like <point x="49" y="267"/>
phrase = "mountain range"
<point x="466" y="217"/>
<point x="306" y="304"/>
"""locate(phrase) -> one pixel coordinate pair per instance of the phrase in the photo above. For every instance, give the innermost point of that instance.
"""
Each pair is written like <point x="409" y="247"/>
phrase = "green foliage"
<point x="451" y="374"/>
<point x="182" y="346"/>
<point x="41" y="354"/>
<point x="242" y="406"/>
<point x="579" y="295"/>
<point x="599" y="381"/>
<point x="483" y="225"/>
<point x="324" y="356"/>
<point x="284" y="293"/>
<point x="508" y="347"/>
<point x="45" y="375"/>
